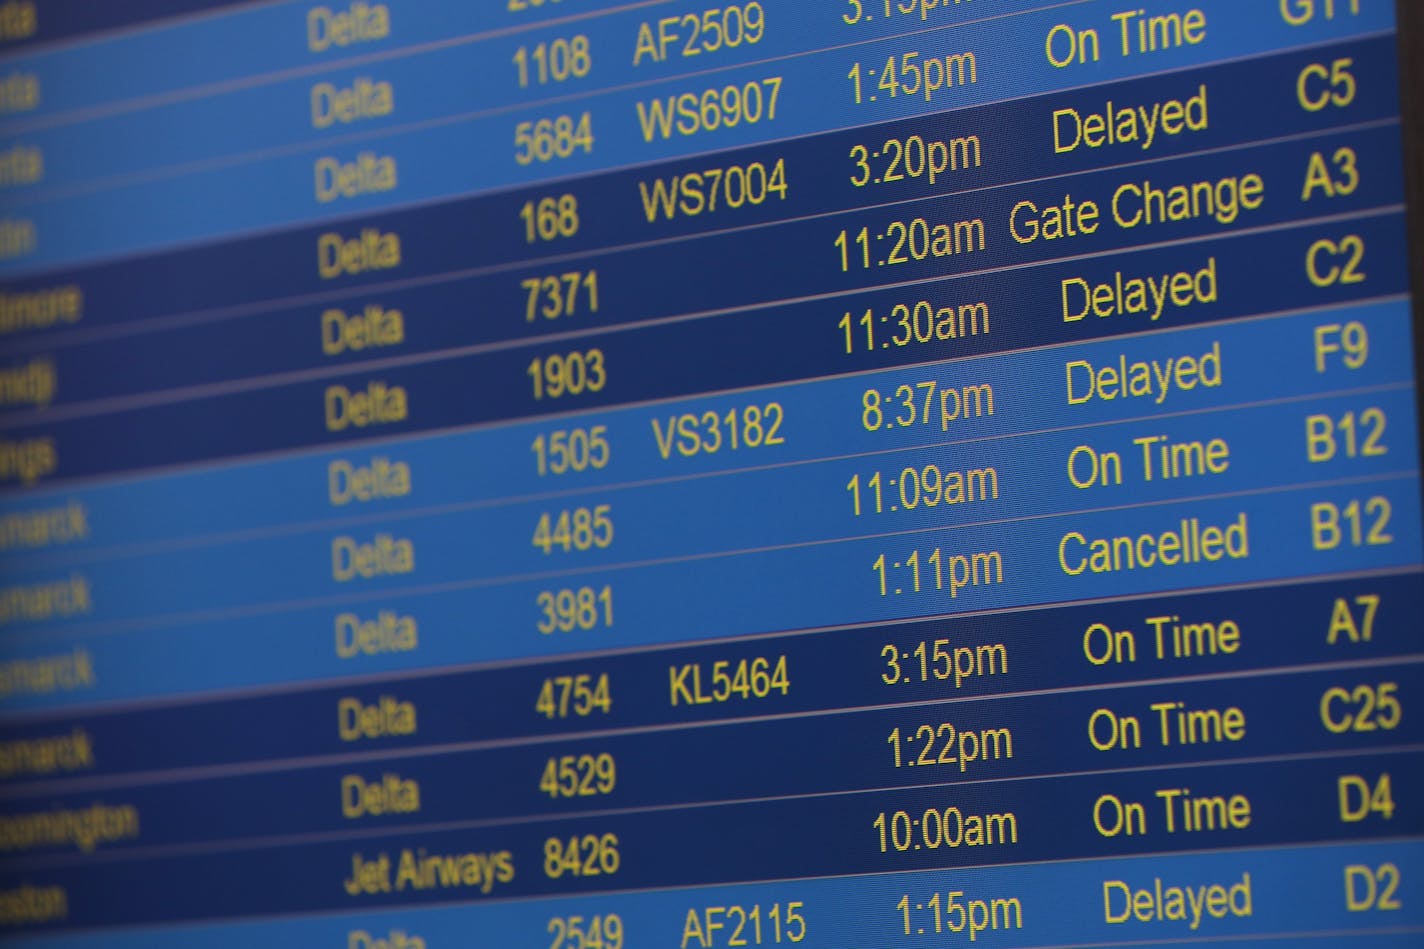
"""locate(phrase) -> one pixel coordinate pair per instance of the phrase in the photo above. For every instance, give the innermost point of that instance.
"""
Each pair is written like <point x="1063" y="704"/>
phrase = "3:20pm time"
<point x="913" y="158"/>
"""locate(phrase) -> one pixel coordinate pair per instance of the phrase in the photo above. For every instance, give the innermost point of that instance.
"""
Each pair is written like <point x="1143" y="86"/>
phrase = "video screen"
<point x="443" y="500"/>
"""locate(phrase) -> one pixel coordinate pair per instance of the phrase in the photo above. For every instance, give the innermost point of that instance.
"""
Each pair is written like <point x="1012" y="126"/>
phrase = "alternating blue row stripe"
<point x="975" y="314"/>
<point x="1016" y="737"/>
<point x="1000" y="144"/>
<point x="452" y="79"/>
<point x="472" y="388"/>
<point x="497" y="462"/>
<point x="1336" y="623"/>
<point x="1058" y="390"/>
<point x="977" y="486"/>
<point x="1291" y="534"/>
<point x="443" y="161"/>
<point x="1008" y="822"/>
<point x="346" y="109"/>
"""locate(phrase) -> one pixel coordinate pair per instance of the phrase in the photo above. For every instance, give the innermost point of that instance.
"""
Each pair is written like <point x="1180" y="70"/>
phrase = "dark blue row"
<point x="1016" y="737"/>
<point x="669" y="360"/>
<point x="1026" y="650"/>
<point x="1272" y="804"/>
<point x="1016" y="143"/>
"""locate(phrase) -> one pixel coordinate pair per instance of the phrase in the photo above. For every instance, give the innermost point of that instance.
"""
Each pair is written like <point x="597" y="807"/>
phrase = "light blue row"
<point x="812" y="420"/>
<point x="813" y="94"/>
<point x="1290" y="891"/>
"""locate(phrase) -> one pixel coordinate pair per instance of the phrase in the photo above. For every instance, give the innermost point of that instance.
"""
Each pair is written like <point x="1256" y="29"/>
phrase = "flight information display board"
<point x="443" y="500"/>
